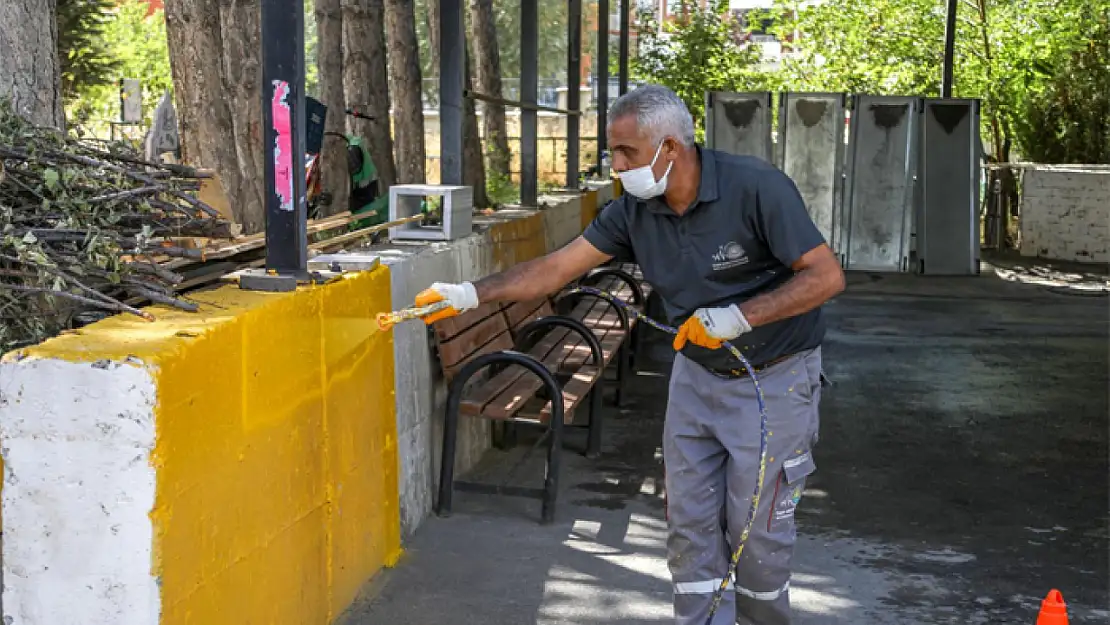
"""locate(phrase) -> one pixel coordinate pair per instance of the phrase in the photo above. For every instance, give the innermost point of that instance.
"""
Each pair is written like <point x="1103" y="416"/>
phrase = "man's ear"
<point x="670" y="148"/>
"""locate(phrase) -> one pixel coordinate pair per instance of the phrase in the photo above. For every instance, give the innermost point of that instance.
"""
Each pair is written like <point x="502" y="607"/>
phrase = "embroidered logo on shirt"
<point x="728" y="256"/>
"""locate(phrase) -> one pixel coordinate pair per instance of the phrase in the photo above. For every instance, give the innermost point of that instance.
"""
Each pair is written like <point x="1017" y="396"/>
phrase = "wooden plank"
<point x="593" y="319"/>
<point x="460" y="348"/>
<point x="343" y="240"/>
<point x="520" y="313"/>
<point x="500" y="342"/>
<point x="447" y="329"/>
<point x="512" y="399"/>
<point x="574" y="393"/>
<point x="478" y="398"/>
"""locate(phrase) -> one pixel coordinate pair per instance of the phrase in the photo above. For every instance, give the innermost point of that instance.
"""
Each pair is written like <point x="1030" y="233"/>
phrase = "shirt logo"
<point x="728" y="256"/>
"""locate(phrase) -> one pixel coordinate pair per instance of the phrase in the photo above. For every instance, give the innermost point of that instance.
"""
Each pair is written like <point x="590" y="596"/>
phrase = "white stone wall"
<point x="1065" y="213"/>
<point x="77" y="439"/>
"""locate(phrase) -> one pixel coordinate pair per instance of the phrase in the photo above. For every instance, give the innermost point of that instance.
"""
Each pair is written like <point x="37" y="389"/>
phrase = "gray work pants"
<point x="711" y="458"/>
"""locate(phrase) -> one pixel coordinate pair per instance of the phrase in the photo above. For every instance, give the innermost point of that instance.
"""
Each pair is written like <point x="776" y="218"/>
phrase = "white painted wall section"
<point x="1065" y="213"/>
<point x="78" y="486"/>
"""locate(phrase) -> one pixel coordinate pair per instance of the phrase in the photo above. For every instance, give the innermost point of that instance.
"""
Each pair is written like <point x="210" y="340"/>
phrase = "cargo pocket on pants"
<point x="788" y="492"/>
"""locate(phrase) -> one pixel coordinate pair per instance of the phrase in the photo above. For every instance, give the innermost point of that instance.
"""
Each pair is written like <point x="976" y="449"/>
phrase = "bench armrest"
<point x="620" y="274"/>
<point x="622" y="314"/>
<point x="499" y="358"/>
<point x="527" y="336"/>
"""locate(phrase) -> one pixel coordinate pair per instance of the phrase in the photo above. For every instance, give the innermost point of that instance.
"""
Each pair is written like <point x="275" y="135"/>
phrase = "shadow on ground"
<point x="962" y="473"/>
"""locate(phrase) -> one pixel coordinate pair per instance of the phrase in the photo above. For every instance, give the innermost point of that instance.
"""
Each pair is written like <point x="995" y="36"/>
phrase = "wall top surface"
<point x="124" y="337"/>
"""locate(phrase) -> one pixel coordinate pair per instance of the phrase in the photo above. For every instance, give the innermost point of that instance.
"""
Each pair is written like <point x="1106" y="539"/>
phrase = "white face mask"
<point x="641" y="182"/>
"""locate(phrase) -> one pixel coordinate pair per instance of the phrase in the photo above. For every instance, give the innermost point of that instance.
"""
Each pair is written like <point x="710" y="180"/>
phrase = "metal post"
<point x="623" y="52"/>
<point x="602" y="82"/>
<point x="949" y="50"/>
<point x="529" y="88"/>
<point x="283" y="132"/>
<point x="452" y="81"/>
<point x="574" y="85"/>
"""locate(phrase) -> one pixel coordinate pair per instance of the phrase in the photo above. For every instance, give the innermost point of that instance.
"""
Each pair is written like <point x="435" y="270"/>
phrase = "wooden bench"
<point x="526" y="363"/>
<point x="523" y="364"/>
<point x="625" y="282"/>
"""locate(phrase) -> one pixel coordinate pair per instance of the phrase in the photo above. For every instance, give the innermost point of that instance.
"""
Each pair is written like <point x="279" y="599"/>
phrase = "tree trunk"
<point x="405" y="87"/>
<point x="329" y="63"/>
<point x="474" y="167"/>
<point x="366" y="82"/>
<point x="216" y="59"/>
<point x="487" y="59"/>
<point x="432" y="16"/>
<point x="29" y="75"/>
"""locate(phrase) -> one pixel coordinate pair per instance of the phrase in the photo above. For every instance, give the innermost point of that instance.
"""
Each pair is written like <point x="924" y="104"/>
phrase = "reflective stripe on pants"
<point x="711" y="459"/>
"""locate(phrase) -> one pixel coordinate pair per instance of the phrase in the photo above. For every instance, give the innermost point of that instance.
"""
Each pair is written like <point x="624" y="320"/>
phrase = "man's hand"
<point x="710" y="327"/>
<point x="461" y="297"/>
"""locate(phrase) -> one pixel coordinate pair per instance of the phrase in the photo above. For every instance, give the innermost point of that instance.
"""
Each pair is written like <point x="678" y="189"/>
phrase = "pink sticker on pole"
<point x="283" y="145"/>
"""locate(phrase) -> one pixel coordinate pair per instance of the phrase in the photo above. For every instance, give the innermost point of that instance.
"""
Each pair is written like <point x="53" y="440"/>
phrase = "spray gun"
<point x="387" y="320"/>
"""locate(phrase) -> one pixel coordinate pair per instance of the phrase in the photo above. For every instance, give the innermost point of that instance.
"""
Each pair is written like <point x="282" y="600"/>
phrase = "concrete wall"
<point x="1065" y="213"/>
<point x="256" y="462"/>
<point x="236" y="465"/>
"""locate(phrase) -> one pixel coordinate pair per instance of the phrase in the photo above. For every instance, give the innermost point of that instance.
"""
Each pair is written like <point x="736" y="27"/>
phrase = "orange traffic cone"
<point x="1053" y="610"/>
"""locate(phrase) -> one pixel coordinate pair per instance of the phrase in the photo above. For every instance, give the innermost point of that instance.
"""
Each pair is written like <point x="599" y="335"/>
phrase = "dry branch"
<point x="80" y="225"/>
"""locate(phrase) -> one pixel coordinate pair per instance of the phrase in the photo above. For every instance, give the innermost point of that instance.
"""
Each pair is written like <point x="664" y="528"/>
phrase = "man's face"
<point x="631" y="149"/>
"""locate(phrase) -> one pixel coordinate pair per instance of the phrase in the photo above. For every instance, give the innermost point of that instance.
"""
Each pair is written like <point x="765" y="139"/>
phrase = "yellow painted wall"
<point x="517" y="241"/>
<point x="589" y="207"/>
<point x="276" y="448"/>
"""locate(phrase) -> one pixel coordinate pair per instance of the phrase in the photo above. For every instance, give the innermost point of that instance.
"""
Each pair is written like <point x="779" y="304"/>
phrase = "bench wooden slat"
<point x="463" y="346"/>
<point x="513" y="398"/>
<point x="447" y="329"/>
<point x="574" y="393"/>
<point x="478" y="398"/>
<point x="500" y="342"/>
<point x="521" y="313"/>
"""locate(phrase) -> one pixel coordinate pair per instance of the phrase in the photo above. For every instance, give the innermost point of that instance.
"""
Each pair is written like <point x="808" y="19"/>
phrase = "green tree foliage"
<point x="85" y="59"/>
<point x="137" y="43"/>
<point x="1008" y="53"/>
<point x="697" y="52"/>
<point x="311" y="71"/>
<point x="1068" y="120"/>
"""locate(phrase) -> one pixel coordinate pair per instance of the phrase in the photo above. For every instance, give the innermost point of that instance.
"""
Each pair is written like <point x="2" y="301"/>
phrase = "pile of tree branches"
<point x="83" y="226"/>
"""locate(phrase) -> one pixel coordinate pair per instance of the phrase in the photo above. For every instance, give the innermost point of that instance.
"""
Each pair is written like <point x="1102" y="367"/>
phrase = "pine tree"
<point x="83" y="57"/>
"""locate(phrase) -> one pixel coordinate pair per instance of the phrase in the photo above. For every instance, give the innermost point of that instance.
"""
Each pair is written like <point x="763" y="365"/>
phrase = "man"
<point x="727" y="244"/>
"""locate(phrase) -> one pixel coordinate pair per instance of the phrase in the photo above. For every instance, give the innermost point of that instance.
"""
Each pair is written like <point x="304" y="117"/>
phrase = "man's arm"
<point x="542" y="276"/>
<point x="818" y="278"/>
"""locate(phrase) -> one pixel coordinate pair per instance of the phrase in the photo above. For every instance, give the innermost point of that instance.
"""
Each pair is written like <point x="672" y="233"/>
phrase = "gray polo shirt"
<point x="746" y="228"/>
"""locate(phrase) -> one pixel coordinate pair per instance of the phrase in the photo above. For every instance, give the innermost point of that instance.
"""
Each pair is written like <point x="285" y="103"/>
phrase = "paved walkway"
<point x="962" y="474"/>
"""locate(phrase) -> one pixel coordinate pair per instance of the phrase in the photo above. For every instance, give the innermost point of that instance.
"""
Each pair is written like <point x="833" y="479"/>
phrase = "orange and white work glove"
<point x="461" y="297"/>
<point x="710" y="327"/>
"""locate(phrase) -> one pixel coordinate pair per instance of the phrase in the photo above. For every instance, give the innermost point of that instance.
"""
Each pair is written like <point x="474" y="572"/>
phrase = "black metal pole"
<point x="529" y="87"/>
<point x="574" y="87"/>
<point x="602" y="81"/>
<point x="283" y="132"/>
<point x="452" y="81"/>
<point x="623" y="52"/>
<point x="949" y="50"/>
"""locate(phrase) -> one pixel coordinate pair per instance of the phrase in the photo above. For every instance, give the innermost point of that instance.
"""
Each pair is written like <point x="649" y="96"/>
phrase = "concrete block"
<point x="562" y="219"/>
<point x="456" y="211"/>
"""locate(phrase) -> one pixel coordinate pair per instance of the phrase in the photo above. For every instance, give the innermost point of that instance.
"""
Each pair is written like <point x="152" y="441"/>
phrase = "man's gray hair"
<point x="659" y="113"/>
